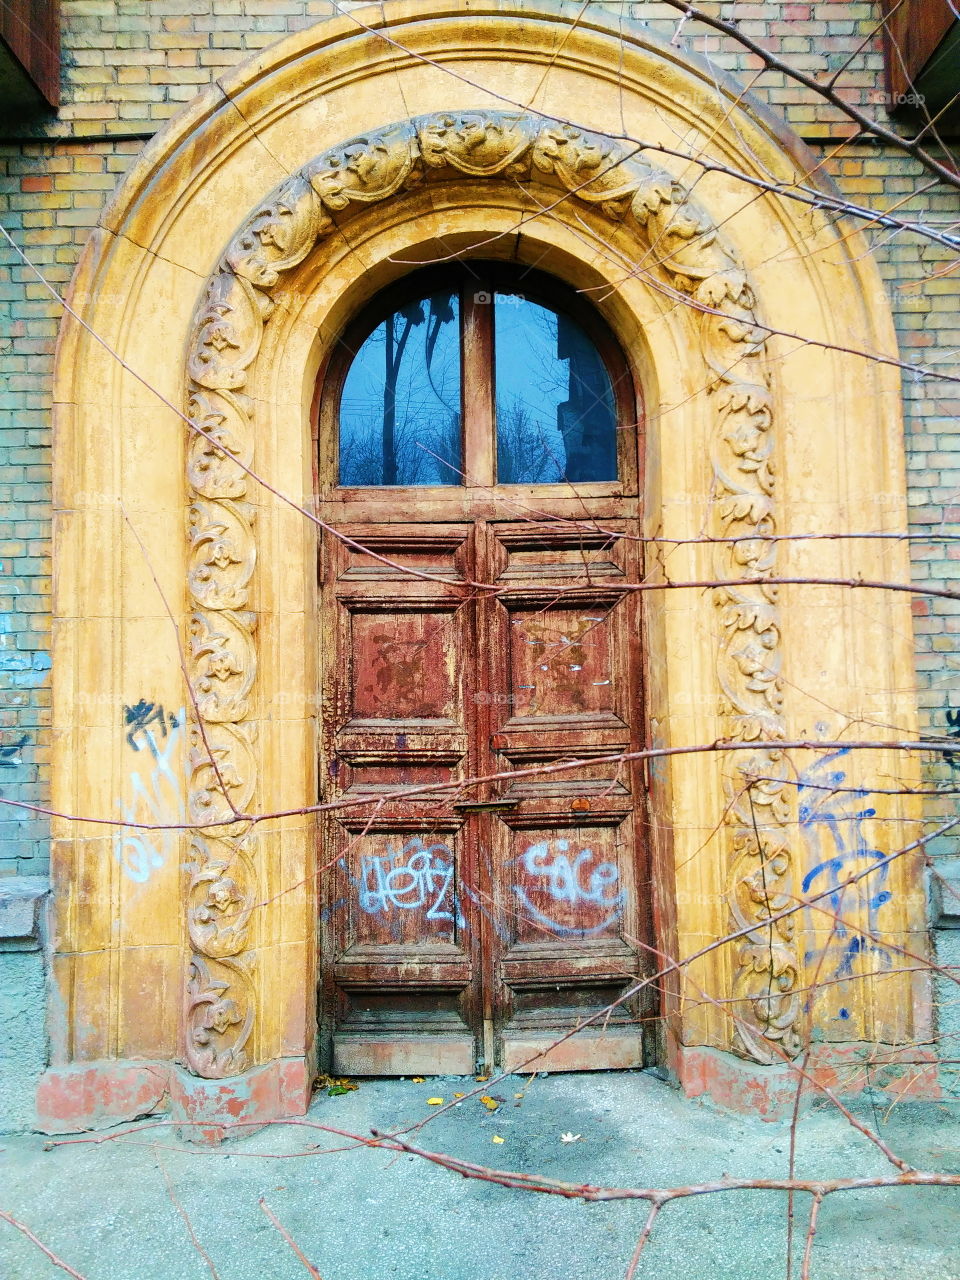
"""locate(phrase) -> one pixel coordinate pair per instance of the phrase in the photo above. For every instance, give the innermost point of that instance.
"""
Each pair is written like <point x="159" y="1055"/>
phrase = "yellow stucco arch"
<point x="226" y="264"/>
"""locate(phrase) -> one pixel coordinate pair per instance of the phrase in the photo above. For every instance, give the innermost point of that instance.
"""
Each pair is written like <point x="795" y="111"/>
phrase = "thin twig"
<point x="184" y="671"/>
<point x="631" y="1271"/>
<point x="178" y="1205"/>
<point x="444" y="790"/>
<point x="818" y="1198"/>
<point x="57" y="1261"/>
<point x="867" y="123"/>
<point x="314" y="1273"/>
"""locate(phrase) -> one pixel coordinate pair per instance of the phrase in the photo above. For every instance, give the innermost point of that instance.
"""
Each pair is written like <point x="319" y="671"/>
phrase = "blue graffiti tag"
<point x="840" y="819"/>
<point x="422" y="878"/>
<point x="561" y="878"/>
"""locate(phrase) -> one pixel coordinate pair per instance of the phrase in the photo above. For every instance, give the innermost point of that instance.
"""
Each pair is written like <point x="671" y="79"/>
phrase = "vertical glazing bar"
<point x="478" y="386"/>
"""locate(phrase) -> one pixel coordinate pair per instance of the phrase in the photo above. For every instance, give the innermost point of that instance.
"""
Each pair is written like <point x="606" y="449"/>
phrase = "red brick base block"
<point x="95" y="1095"/>
<point x="211" y="1110"/>
<point x="771" y="1092"/>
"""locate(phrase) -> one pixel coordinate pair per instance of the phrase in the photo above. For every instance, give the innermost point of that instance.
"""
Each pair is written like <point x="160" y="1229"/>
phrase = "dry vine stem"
<point x="940" y="746"/>
<point x="178" y="1205"/>
<point x="656" y="1198"/>
<point x="658" y="1195"/>
<point x="25" y="1230"/>
<point x="311" y="1269"/>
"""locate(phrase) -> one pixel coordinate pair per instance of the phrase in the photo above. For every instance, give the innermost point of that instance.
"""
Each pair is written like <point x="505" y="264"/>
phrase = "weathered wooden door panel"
<point x="569" y="871"/>
<point x="399" y="955"/>
<point x="483" y="929"/>
<point x="403" y="967"/>
<point x="571" y="902"/>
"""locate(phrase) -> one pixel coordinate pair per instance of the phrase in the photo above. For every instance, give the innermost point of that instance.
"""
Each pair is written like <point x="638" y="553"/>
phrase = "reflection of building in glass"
<point x="586" y="418"/>
<point x="555" y="407"/>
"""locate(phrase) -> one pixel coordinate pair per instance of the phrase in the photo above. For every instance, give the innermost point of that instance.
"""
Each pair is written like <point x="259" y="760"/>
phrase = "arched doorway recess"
<point x="747" y="434"/>
<point x="479" y="431"/>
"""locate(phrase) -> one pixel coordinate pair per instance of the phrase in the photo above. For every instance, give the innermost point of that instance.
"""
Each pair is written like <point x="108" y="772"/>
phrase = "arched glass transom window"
<point x="480" y="375"/>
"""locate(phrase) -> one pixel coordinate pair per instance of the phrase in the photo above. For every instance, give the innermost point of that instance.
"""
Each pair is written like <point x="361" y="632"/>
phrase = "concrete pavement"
<point x="114" y="1210"/>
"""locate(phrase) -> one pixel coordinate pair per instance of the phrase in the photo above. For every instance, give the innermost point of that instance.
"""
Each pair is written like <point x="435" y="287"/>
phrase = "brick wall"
<point x="127" y="67"/>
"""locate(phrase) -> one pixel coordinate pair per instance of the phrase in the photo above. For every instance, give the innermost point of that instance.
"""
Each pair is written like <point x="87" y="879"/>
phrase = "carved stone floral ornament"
<point x="675" y="234"/>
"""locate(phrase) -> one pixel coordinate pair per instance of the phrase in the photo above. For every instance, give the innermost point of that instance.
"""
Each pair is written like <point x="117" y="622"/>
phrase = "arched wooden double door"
<point x="480" y="468"/>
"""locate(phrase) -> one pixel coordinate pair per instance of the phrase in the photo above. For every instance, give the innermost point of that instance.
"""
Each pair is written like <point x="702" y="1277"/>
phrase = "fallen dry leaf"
<point x="336" y="1085"/>
<point x="490" y="1103"/>
<point x="459" y="1095"/>
<point x="570" y="1137"/>
<point x="434" y="1102"/>
<point x="418" y="1079"/>
<point x="496" y="1139"/>
<point x="325" y="1082"/>
<point x="481" y="1079"/>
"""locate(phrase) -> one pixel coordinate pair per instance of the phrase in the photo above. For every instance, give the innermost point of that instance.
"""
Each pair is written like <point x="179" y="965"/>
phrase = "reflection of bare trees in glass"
<point x="418" y="444"/>
<point x="394" y="346"/>
<point x="399" y="414"/>
<point x="555" y="410"/>
<point x="526" y="452"/>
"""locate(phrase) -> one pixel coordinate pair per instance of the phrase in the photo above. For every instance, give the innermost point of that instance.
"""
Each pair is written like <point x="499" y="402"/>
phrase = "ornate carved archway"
<point x="674" y="237"/>
<point x="700" y="306"/>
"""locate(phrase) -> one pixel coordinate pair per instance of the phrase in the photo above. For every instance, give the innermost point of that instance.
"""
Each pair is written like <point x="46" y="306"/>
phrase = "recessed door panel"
<point x="405" y="663"/>
<point x="405" y="889"/>
<point x="561" y="662"/>
<point x="566" y="884"/>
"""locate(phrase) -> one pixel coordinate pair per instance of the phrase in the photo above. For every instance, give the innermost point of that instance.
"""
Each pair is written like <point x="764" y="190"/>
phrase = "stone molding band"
<point x="673" y="233"/>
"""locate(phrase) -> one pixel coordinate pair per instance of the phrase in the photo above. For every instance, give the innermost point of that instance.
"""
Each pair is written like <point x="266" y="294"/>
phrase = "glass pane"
<point x="400" y="408"/>
<point x="556" y="416"/>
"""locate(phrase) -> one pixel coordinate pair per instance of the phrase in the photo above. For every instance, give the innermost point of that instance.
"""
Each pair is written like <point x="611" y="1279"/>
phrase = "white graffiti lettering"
<point x="577" y="881"/>
<point x="413" y="876"/>
<point x="157" y="798"/>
